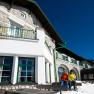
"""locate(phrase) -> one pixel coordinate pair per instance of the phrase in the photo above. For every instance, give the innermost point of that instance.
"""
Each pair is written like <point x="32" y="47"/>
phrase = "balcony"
<point x="17" y="33"/>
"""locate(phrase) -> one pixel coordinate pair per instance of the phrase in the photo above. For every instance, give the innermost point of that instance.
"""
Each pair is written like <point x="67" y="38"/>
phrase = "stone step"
<point x="26" y="89"/>
<point x="16" y="87"/>
<point x="31" y="91"/>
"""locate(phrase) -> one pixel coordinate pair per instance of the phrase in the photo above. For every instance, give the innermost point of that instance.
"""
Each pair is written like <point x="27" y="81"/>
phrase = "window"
<point x="15" y="29"/>
<point x="85" y="76"/>
<point x="80" y="64"/>
<point x="26" y="70"/>
<point x="23" y="15"/>
<point x="73" y="61"/>
<point x="91" y="76"/>
<point x="65" y="57"/>
<point x="5" y="69"/>
<point x="86" y="66"/>
<point x="58" y="55"/>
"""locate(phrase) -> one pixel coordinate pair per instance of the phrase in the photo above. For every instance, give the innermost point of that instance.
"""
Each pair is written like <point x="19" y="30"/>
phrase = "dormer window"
<point x="73" y="61"/>
<point x="65" y="58"/>
<point x="23" y="15"/>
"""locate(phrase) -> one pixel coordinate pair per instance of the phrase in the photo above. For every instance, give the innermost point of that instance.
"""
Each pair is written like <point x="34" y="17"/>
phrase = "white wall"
<point x="49" y="56"/>
<point x="32" y="48"/>
<point x="40" y="70"/>
<point x="19" y="47"/>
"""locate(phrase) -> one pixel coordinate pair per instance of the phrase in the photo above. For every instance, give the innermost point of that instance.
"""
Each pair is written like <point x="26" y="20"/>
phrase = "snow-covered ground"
<point x="84" y="89"/>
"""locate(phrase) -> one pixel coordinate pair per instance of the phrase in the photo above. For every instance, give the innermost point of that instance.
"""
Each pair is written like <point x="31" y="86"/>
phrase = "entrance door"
<point x="26" y="70"/>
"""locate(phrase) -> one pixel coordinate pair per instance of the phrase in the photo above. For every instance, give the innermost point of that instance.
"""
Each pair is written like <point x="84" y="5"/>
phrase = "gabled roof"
<point x="33" y="6"/>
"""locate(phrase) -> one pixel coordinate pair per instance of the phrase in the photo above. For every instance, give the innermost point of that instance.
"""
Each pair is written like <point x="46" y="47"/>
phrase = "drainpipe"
<point x="54" y="57"/>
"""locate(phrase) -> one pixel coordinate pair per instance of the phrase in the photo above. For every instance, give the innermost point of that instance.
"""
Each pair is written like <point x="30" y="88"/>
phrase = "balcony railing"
<point x="17" y="33"/>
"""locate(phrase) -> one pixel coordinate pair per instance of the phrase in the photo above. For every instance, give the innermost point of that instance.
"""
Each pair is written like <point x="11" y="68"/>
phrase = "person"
<point x="64" y="80"/>
<point x="72" y="78"/>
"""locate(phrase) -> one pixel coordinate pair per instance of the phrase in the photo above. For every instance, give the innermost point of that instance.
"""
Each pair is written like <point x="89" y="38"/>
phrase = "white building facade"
<point x="26" y="48"/>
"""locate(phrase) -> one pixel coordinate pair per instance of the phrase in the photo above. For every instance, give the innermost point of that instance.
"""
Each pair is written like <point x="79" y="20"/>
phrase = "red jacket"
<point x="64" y="77"/>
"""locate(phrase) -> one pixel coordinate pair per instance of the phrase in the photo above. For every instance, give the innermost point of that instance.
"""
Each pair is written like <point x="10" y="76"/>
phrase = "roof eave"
<point x="70" y="53"/>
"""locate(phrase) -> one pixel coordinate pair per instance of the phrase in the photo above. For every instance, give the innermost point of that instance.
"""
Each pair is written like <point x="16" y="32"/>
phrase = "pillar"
<point x="48" y="73"/>
<point x="40" y="70"/>
<point x="14" y="70"/>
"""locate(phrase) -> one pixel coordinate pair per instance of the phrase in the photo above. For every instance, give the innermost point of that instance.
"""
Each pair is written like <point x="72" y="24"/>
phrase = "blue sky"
<point x="74" y="21"/>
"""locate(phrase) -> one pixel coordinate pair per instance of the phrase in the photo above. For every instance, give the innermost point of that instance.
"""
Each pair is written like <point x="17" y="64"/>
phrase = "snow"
<point x="86" y="88"/>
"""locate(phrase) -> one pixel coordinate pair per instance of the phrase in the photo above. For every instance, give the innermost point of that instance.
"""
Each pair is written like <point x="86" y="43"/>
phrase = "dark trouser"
<point x="72" y="83"/>
<point x="64" y="84"/>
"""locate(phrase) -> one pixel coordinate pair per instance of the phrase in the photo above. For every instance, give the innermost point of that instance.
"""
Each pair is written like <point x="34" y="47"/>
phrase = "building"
<point x="27" y="40"/>
<point x="67" y="60"/>
<point x="28" y="45"/>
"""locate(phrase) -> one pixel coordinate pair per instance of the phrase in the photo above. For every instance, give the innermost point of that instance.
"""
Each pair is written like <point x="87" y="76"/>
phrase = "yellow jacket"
<point x="72" y="77"/>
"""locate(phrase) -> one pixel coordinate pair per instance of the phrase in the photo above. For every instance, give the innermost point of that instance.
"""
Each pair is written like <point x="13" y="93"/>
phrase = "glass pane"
<point x="17" y="32"/>
<point x="23" y="61"/>
<point x="33" y="67"/>
<point x="7" y="67"/>
<point x="23" y="73"/>
<point x="11" y="31"/>
<point x="29" y="68"/>
<point x="29" y="79"/>
<point x="6" y="73"/>
<point x="85" y="76"/>
<point x="29" y="62"/>
<point x="22" y="79"/>
<point x="5" y="79"/>
<point x="1" y="60"/>
<point x="23" y="68"/>
<point x="8" y="60"/>
<point x="28" y="73"/>
<point x="91" y="76"/>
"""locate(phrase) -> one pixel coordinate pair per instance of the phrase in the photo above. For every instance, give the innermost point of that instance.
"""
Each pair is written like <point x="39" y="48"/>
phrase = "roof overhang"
<point x="70" y="53"/>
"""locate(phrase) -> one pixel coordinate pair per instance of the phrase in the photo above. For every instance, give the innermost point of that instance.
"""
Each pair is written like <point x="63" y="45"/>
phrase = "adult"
<point x="64" y="80"/>
<point x="72" y="78"/>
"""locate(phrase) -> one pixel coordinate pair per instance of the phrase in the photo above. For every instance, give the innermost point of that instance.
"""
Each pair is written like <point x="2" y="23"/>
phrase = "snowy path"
<point x="84" y="89"/>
